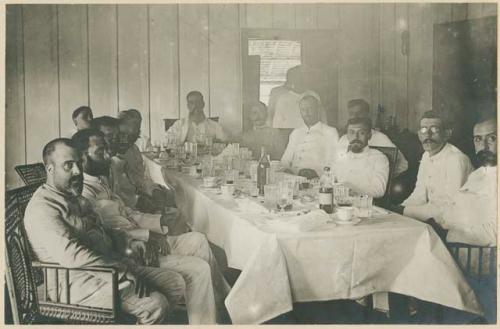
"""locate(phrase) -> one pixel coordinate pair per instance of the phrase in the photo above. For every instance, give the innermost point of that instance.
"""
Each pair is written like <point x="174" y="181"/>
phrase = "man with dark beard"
<point x="361" y="168"/>
<point x="443" y="170"/>
<point x="63" y="229"/>
<point x="197" y="127"/>
<point x="188" y="254"/>
<point x="472" y="217"/>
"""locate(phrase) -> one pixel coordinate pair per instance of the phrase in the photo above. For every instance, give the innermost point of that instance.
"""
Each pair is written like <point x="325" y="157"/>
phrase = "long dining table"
<point x="286" y="262"/>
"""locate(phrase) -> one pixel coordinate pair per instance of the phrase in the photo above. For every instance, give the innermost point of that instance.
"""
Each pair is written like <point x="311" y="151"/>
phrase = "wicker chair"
<point x="25" y="277"/>
<point x="32" y="173"/>
<point x="392" y="155"/>
<point x="479" y="267"/>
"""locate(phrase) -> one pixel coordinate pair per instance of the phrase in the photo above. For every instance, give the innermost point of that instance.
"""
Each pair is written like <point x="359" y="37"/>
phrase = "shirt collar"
<point x="90" y="178"/>
<point x="316" y="126"/>
<point x="440" y="154"/>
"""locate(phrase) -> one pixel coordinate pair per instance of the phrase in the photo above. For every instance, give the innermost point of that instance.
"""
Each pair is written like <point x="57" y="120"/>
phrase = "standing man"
<point x="197" y="127"/>
<point x="313" y="145"/>
<point x="443" y="170"/>
<point x="62" y="230"/>
<point x="284" y="100"/>
<point x="359" y="108"/>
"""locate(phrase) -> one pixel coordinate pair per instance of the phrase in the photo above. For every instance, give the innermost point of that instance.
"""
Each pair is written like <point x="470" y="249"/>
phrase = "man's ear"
<point x="50" y="168"/>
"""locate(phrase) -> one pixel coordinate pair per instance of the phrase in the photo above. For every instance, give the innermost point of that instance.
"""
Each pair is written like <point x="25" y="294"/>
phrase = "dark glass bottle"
<point x="262" y="170"/>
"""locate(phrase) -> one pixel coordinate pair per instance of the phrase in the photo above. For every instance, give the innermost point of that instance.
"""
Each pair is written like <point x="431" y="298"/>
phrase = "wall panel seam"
<point x="24" y="86"/>
<point x="58" y="71"/>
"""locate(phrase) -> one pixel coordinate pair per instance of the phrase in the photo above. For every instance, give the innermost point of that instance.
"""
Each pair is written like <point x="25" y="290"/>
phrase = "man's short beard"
<point x="94" y="168"/>
<point x="486" y="158"/>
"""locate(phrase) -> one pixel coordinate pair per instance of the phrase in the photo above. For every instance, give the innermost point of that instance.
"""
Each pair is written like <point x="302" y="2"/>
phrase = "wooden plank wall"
<point x="149" y="56"/>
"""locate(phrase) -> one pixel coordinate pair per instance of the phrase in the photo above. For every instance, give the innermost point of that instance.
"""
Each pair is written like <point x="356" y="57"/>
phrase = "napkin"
<point x="301" y="223"/>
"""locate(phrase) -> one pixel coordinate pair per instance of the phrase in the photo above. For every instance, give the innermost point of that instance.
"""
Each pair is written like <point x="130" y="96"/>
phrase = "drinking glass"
<point x="270" y="194"/>
<point x="285" y="194"/>
<point x="365" y="206"/>
<point x="341" y="195"/>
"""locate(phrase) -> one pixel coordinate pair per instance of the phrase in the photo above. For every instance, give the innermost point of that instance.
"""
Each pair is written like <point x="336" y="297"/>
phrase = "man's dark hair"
<point x="80" y="139"/>
<point x="436" y="115"/>
<point x="81" y="110"/>
<point x="365" y="107"/>
<point x="129" y="115"/>
<point x="104" y="121"/>
<point x="367" y="122"/>
<point x="194" y="93"/>
<point x="49" y="148"/>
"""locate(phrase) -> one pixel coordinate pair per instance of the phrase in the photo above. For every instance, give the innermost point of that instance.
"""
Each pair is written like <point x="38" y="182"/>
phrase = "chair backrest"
<point x="32" y="173"/>
<point x="19" y="273"/>
<point x="477" y="262"/>
<point x="392" y="155"/>
<point x="169" y="122"/>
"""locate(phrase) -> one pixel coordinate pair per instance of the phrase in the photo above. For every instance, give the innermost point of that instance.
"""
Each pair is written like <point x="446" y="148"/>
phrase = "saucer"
<point x="352" y="221"/>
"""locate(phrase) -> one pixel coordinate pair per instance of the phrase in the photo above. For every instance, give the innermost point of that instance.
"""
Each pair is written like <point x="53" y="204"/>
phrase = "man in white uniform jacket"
<point x="313" y="145"/>
<point x="359" y="108"/>
<point x="196" y="127"/>
<point x="359" y="167"/>
<point x="186" y="253"/>
<point x="472" y="217"/>
<point x="443" y="170"/>
<point x="63" y="229"/>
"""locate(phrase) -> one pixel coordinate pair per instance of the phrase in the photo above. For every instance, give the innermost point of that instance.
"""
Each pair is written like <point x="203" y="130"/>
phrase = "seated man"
<point x="197" y="127"/>
<point x="443" y="170"/>
<point x="359" y="108"/>
<point x="63" y="231"/>
<point x="472" y="215"/>
<point x="82" y="117"/>
<point x="313" y="145"/>
<point x="143" y="143"/>
<point x="109" y="127"/>
<point x="129" y="177"/>
<point x="186" y="253"/>
<point x="261" y="134"/>
<point x="361" y="168"/>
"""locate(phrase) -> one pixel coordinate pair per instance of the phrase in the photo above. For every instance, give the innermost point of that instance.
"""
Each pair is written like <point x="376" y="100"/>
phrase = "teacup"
<point x="345" y="213"/>
<point x="227" y="190"/>
<point x="209" y="181"/>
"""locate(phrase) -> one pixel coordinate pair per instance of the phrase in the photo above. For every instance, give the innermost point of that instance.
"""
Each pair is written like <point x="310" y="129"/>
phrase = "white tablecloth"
<point x="389" y="253"/>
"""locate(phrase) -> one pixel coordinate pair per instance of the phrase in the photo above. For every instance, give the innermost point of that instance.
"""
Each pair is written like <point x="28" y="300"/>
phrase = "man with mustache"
<point x="188" y="254"/>
<point x="63" y="229"/>
<point x="472" y="217"/>
<point x="196" y="127"/>
<point x="313" y="145"/>
<point x="443" y="170"/>
<point x="129" y="177"/>
<point x="361" y="168"/>
<point x="359" y="108"/>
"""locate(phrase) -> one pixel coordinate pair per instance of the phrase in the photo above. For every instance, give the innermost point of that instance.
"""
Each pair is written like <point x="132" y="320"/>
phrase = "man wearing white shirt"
<point x="443" y="170"/>
<point x="472" y="217"/>
<point x="196" y="127"/>
<point x="186" y="253"/>
<point x="359" y="108"/>
<point x="313" y="145"/>
<point x="361" y="168"/>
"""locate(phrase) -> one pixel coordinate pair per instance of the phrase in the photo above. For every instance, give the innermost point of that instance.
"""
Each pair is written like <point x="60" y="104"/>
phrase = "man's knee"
<point x="147" y="310"/>
<point x="201" y="248"/>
